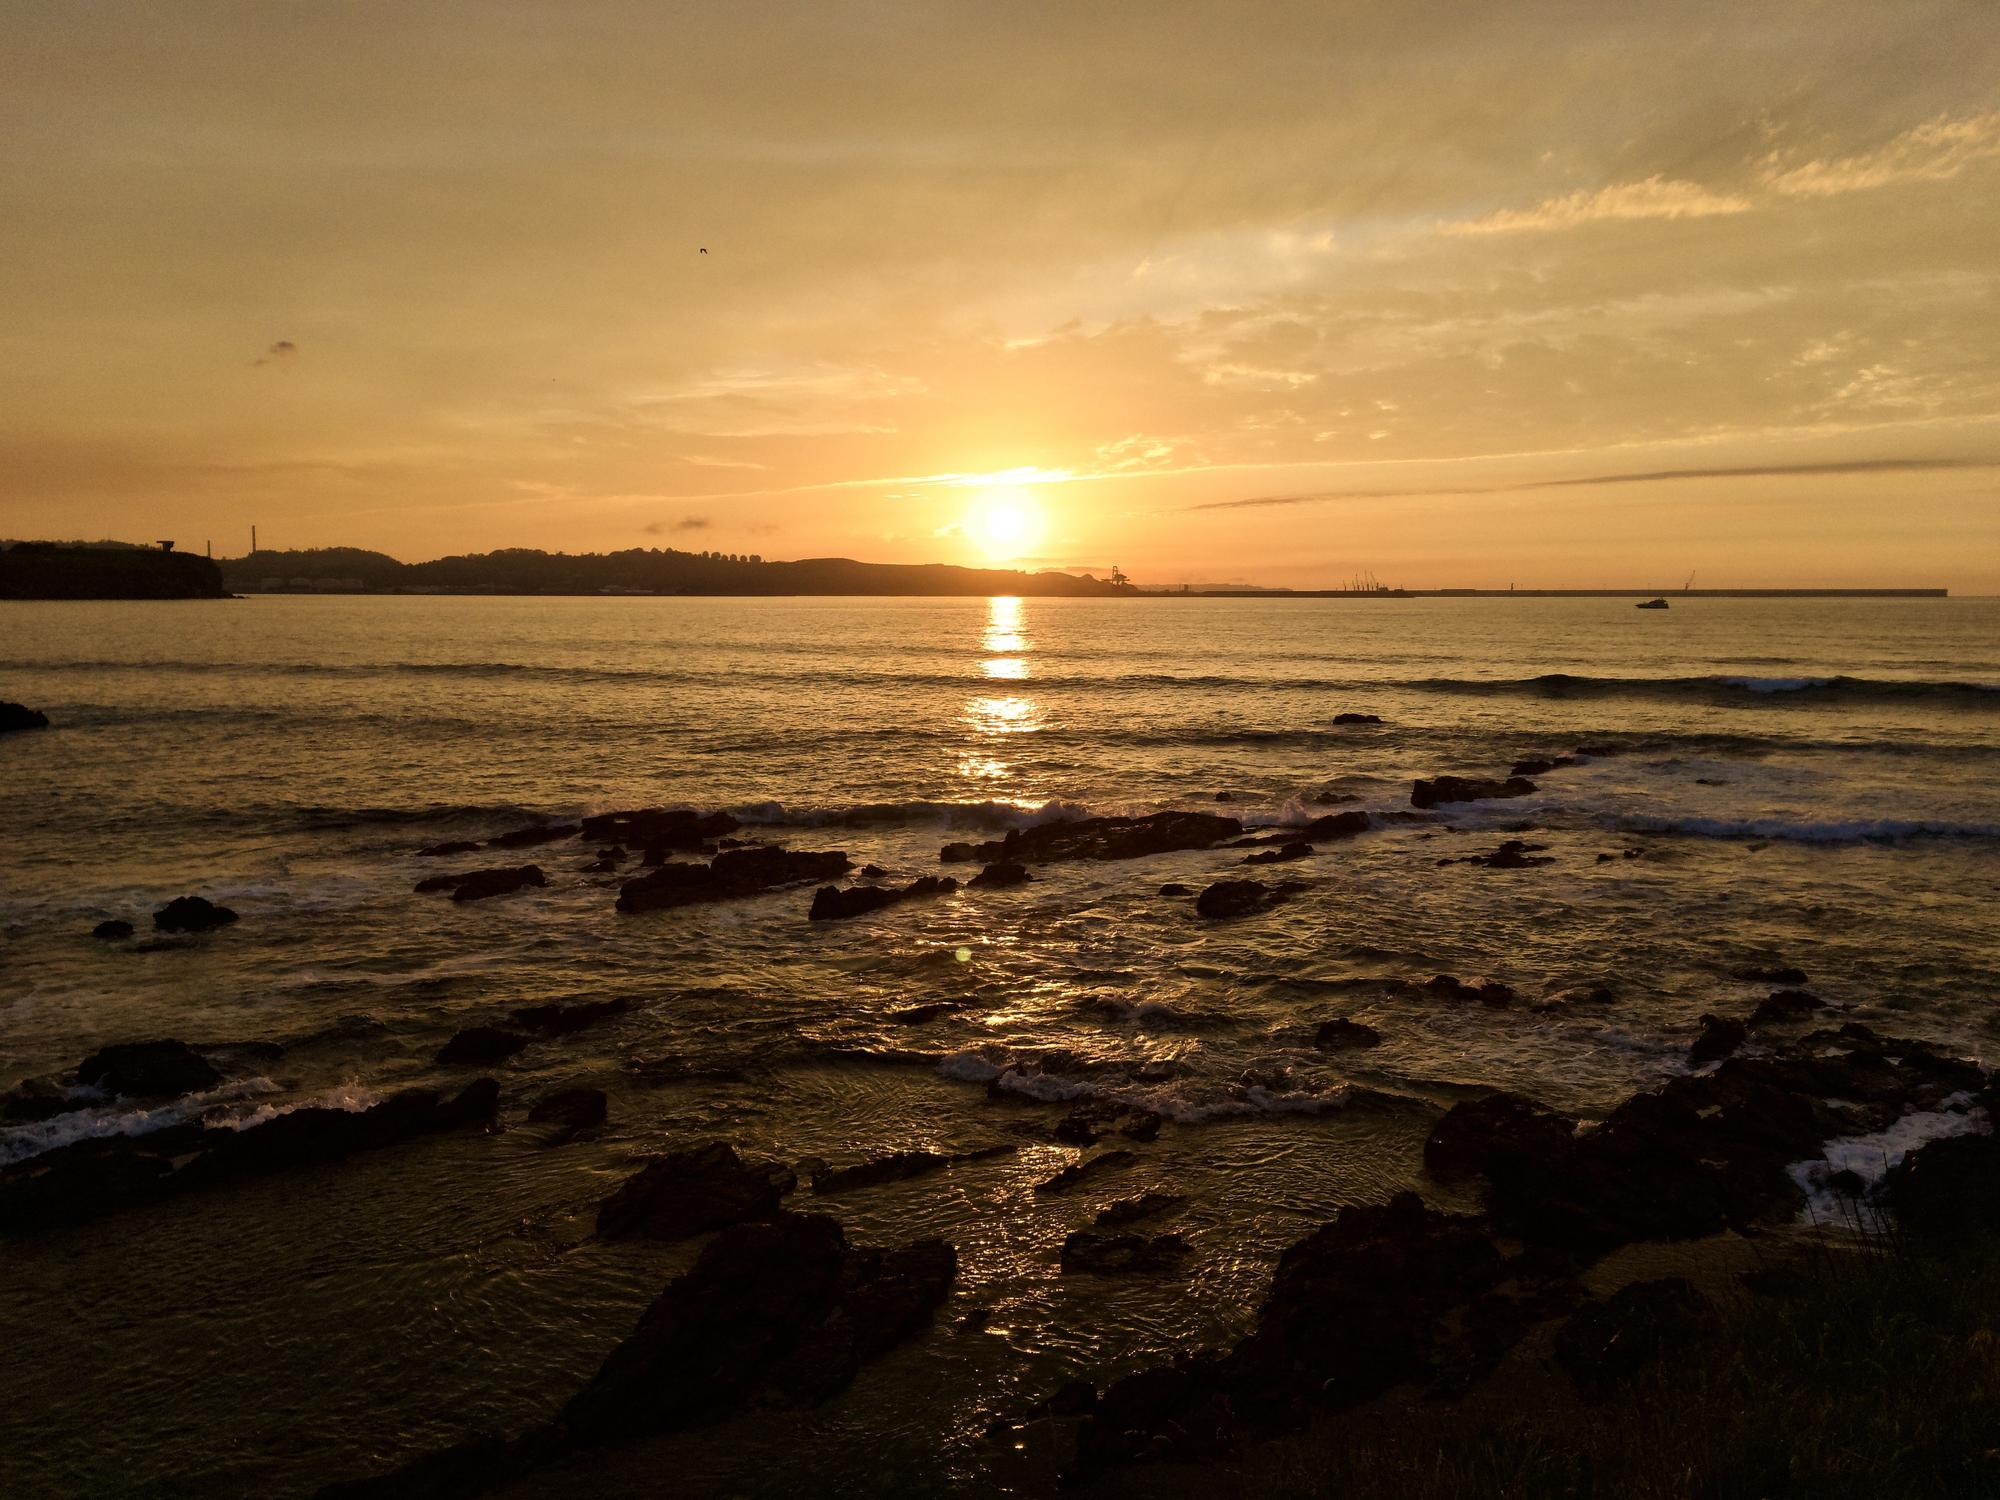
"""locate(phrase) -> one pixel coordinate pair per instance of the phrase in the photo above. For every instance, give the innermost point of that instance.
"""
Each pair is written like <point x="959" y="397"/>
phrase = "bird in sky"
<point x="704" y="249"/>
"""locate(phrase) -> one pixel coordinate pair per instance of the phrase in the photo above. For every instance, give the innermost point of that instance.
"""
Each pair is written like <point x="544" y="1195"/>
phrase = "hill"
<point x="642" y="570"/>
<point x="50" y="570"/>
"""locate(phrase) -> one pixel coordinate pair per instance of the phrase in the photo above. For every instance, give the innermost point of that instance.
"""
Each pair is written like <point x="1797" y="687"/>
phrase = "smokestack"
<point x="253" y="539"/>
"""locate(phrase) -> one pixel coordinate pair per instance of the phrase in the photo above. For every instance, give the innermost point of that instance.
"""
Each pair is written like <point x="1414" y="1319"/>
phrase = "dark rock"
<point x="148" y="1070"/>
<point x="90" y="1178"/>
<point x="1605" y="1343"/>
<point x="1341" y="825"/>
<point x="1488" y="992"/>
<point x="573" y="1109"/>
<point x="778" y="1313"/>
<point x="1467" y="789"/>
<point x="535" y="834"/>
<point x="1072" y="1399"/>
<point x="481" y="885"/>
<point x="192" y="914"/>
<point x="958" y="853"/>
<point x="1341" y="1033"/>
<point x="1948" y="1189"/>
<point x="1236" y="898"/>
<point x="832" y="904"/>
<point x="1103" y="1254"/>
<point x="1540" y="767"/>
<point x="449" y="847"/>
<point x="691" y="1191"/>
<point x="897" y="1166"/>
<point x="1352" y="718"/>
<point x="1101" y="838"/>
<point x="565" y="1020"/>
<point x="873" y="872"/>
<point x="1719" y="1037"/>
<point x="479" y="1045"/>
<point x="1003" y="873"/>
<point x="112" y="930"/>
<point x="1781" y="1006"/>
<point x="918" y="1015"/>
<point x="1175" y="888"/>
<point x="731" y="875"/>
<point x="1284" y="852"/>
<point x="35" y="1099"/>
<point x="1086" y="1171"/>
<point x="1511" y="855"/>
<point x="18" y="716"/>
<point x="1478" y="1135"/>
<point x="1132" y="1210"/>
<point x="1786" y="974"/>
<point x="1225" y="796"/>
<point x="660" y="828"/>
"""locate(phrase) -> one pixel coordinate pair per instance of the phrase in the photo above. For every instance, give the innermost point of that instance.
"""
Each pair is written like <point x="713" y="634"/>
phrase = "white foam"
<point x="1870" y="1157"/>
<point x="220" y="1107"/>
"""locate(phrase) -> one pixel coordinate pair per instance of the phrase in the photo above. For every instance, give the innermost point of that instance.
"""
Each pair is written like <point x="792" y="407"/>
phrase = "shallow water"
<point x="1810" y="781"/>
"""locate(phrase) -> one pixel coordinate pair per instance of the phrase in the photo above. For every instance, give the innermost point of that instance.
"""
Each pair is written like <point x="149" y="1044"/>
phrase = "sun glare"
<point x="1005" y="524"/>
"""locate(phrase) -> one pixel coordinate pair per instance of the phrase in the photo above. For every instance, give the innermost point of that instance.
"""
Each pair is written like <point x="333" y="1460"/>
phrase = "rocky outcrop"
<point x="782" y="1313"/>
<point x="833" y="904"/>
<point x="1719" y="1037"/>
<point x="1283" y="853"/>
<point x="1100" y="838"/>
<point x="691" y="1191"/>
<point x="1541" y="766"/>
<point x="112" y="931"/>
<point x="1477" y="1134"/>
<point x="1783" y="1006"/>
<point x="534" y="835"/>
<point x="1488" y="992"/>
<point x="192" y="914"/>
<point x="731" y="876"/>
<point x="1085" y="1171"/>
<point x="148" y="1070"/>
<point x="106" y="1174"/>
<point x="479" y="1045"/>
<point x="779" y="1313"/>
<point x="662" y="828"/>
<point x="447" y="848"/>
<point x="1512" y="854"/>
<point x="483" y="885"/>
<point x="1140" y="1206"/>
<point x="1341" y="1034"/>
<point x="1102" y="1253"/>
<point x="18" y="716"/>
<point x="1445" y="789"/>
<point x="1947" y="1189"/>
<point x="1354" y="718"/>
<point x="1000" y="875"/>
<point x="1238" y="898"/>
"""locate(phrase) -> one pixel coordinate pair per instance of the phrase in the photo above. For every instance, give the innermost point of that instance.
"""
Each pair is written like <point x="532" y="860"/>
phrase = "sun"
<point x="1005" y="524"/>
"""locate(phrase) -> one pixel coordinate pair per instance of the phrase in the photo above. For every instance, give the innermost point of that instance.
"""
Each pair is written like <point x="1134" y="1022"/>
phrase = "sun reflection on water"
<point x="1005" y="644"/>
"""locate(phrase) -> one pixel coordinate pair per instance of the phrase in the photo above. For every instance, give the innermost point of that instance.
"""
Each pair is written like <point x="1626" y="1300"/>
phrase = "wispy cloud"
<point x="1655" y="197"/>
<point x="1648" y="476"/>
<point x="1935" y="151"/>
<point x="684" y="524"/>
<point x="278" y="353"/>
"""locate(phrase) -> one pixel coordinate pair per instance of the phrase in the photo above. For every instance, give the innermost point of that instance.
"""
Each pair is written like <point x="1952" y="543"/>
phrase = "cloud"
<point x="684" y="524"/>
<point x="1649" y="476"/>
<point x="278" y="353"/>
<point x="1935" y="151"/>
<point x="1654" y="198"/>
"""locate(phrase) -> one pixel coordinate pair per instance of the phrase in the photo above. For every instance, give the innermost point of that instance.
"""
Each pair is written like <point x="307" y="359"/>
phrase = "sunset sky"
<point x="1460" y="294"/>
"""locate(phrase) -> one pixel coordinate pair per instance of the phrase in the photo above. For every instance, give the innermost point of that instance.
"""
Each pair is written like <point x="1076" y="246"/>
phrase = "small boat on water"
<point x="1651" y="604"/>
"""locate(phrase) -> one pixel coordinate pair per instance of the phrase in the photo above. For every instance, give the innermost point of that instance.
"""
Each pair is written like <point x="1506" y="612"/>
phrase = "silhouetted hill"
<point x="49" y="570"/>
<point x="649" y="570"/>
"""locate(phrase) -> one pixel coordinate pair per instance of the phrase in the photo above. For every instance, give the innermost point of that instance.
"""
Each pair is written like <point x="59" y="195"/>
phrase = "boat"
<point x="1651" y="604"/>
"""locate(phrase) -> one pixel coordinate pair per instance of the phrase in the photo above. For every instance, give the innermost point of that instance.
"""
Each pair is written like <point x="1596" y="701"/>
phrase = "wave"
<point x="1722" y="688"/>
<point x="1830" y="831"/>
<point x="969" y="815"/>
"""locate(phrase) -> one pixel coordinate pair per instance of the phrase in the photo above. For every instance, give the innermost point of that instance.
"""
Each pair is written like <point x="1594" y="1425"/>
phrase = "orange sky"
<point x="1269" y="292"/>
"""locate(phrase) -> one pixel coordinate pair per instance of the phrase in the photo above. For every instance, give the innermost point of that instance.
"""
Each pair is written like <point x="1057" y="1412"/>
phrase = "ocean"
<point x="1768" y="783"/>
